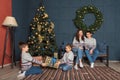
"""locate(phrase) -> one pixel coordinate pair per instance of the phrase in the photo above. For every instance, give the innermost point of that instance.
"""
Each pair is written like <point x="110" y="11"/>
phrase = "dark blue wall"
<point x="62" y="12"/>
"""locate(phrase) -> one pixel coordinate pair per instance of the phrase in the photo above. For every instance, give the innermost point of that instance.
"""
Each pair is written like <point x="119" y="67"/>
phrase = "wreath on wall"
<point x="79" y="19"/>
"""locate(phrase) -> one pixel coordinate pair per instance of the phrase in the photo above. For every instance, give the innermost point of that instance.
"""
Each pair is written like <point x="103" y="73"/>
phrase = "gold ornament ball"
<point x="47" y="41"/>
<point x="30" y="24"/>
<point x="32" y="42"/>
<point x="40" y="22"/>
<point x="91" y="7"/>
<point x="45" y="24"/>
<point x="39" y="35"/>
<point x="46" y="47"/>
<point x="40" y="8"/>
<point x="84" y="12"/>
<point x="33" y="28"/>
<point x="36" y="33"/>
<point x="85" y="8"/>
<point x="37" y="9"/>
<point x="29" y="37"/>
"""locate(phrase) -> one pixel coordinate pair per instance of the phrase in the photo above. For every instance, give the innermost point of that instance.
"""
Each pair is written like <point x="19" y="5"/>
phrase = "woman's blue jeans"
<point x="79" y="53"/>
<point x="92" y="57"/>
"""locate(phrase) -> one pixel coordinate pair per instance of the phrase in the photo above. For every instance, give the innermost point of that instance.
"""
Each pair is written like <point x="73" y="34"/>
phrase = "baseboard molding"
<point x="17" y="62"/>
<point x="5" y="65"/>
<point x="9" y="64"/>
<point x="114" y="61"/>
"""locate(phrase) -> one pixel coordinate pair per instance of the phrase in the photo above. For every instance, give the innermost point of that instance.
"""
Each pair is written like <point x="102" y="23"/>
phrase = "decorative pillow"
<point x="102" y="47"/>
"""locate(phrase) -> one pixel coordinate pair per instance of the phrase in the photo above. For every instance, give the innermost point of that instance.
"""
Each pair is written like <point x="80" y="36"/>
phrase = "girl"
<point x="78" y="43"/>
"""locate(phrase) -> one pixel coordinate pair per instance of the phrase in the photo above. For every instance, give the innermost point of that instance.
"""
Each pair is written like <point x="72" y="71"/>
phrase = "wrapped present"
<point x="51" y="62"/>
<point x="55" y="55"/>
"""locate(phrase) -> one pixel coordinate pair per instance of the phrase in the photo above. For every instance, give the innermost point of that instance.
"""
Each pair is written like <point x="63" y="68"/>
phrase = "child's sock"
<point x="21" y="76"/>
<point x="20" y="72"/>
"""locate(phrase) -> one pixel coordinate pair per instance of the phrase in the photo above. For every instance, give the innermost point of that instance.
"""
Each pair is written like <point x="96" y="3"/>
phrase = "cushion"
<point x="102" y="47"/>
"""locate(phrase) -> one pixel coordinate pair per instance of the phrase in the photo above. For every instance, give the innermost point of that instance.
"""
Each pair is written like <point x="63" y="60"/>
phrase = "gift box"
<point x="51" y="62"/>
<point x="55" y="55"/>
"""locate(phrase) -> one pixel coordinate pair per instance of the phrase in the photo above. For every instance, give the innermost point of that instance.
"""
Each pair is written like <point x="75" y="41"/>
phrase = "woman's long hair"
<point x="77" y="35"/>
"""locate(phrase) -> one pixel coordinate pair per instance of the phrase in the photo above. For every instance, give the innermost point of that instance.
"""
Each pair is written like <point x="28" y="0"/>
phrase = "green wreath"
<point x="80" y="14"/>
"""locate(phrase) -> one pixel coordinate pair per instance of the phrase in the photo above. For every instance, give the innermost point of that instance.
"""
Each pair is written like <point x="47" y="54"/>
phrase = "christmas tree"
<point x="42" y="37"/>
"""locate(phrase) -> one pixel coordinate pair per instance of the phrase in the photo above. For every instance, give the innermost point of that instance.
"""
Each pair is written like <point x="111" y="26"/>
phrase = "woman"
<point x="78" y="43"/>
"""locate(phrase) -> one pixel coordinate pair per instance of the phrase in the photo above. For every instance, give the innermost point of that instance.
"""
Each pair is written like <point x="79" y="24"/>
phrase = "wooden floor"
<point x="100" y="72"/>
<point x="87" y="73"/>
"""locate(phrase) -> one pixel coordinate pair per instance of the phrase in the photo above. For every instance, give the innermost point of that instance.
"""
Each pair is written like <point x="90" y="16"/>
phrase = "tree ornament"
<point x="49" y="30"/>
<point x="32" y="42"/>
<point x="46" y="47"/>
<point x="79" y="19"/>
<point x="33" y="37"/>
<point x="85" y="8"/>
<point x="47" y="42"/>
<point x="39" y="27"/>
<point x="33" y="28"/>
<point x="40" y="38"/>
<point x="45" y="15"/>
<point x="41" y="23"/>
<point x="38" y="9"/>
<point x="52" y="25"/>
<point x="36" y="33"/>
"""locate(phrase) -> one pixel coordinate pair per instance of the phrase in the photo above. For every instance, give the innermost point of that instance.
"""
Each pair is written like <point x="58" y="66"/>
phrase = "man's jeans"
<point x="92" y="57"/>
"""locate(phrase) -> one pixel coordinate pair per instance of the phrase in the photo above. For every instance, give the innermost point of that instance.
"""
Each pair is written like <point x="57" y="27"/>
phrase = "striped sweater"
<point x="68" y="58"/>
<point x="78" y="44"/>
<point x="90" y="43"/>
<point x="27" y="61"/>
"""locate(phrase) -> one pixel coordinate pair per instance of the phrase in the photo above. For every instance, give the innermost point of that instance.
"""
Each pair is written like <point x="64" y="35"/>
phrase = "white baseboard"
<point x="9" y="64"/>
<point x="5" y="65"/>
<point x="114" y="61"/>
<point x="19" y="61"/>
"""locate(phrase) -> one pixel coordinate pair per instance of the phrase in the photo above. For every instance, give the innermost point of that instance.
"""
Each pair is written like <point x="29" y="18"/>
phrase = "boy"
<point x="66" y="62"/>
<point x="27" y="60"/>
<point x="90" y="48"/>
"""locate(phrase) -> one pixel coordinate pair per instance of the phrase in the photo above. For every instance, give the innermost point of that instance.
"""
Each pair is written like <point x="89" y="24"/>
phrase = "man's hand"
<point x="44" y="64"/>
<point x="91" y="51"/>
